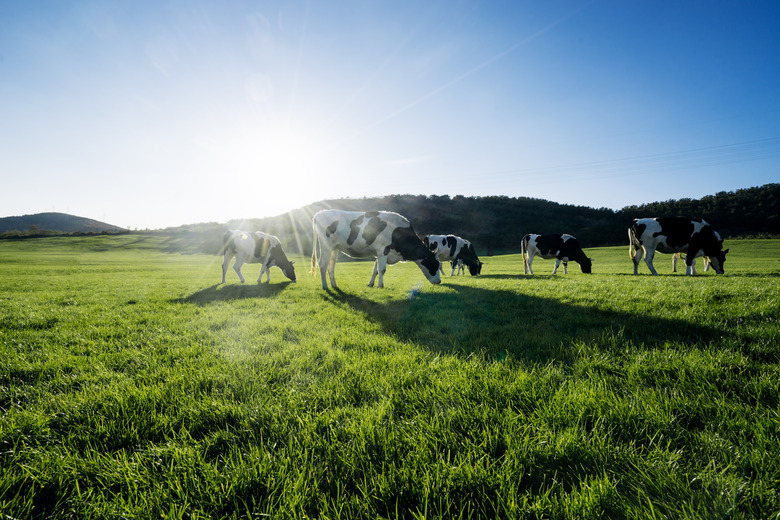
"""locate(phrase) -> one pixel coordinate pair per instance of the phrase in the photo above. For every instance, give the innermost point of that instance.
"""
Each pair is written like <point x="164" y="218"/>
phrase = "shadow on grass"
<point x="504" y="276"/>
<point x="753" y="275"/>
<point x="647" y="274"/>
<point x="227" y="292"/>
<point x="497" y="322"/>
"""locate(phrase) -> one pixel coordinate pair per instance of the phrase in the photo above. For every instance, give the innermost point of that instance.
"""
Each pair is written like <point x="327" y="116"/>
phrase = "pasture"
<point x="132" y="385"/>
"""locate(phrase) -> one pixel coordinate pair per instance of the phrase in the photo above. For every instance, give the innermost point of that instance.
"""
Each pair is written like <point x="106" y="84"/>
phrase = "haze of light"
<point x="156" y="114"/>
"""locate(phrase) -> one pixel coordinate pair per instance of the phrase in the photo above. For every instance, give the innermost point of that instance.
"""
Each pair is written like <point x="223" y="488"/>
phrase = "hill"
<point x="54" y="223"/>
<point x="496" y="224"/>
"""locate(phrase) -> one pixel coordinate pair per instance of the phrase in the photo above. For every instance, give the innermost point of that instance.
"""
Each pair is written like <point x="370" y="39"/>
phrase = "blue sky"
<point x="154" y="114"/>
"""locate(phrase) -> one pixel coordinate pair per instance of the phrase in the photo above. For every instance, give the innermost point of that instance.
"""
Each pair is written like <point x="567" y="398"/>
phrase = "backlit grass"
<point x="133" y="385"/>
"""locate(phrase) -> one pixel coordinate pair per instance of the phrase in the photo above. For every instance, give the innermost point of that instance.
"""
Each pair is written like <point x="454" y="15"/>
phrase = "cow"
<point x="563" y="248"/>
<point x="678" y="256"/>
<point x="452" y="248"/>
<point x="254" y="248"/>
<point x="386" y="236"/>
<point x="692" y="236"/>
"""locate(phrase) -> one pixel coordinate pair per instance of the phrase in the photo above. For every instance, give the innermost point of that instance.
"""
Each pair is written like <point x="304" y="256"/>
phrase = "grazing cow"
<point x="452" y="248"/>
<point x="692" y="236"/>
<point x="561" y="247"/>
<point x="387" y="236"/>
<point x="677" y="256"/>
<point x="254" y="248"/>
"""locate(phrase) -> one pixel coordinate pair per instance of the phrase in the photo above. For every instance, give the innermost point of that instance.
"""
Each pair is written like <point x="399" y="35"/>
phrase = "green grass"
<point x="132" y="385"/>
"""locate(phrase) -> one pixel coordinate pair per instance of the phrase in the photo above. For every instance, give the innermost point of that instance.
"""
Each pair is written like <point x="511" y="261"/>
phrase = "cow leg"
<point x="649" y="261"/>
<point x="565" y="267"/>
<point x="636" y="258"/>
<point x="374" y="272"/>
<point x="327" y="263"/>
<point x="691" y="267"/>
<point x="267" y="264"/>
<point x="453" y="270"/>
<point x="324" y="275"/>
<point x="557" y="263"/>
<point x="331" y="270"/>
<point x="225" y="264"/>
<point x="237" y="268"/>
<point x="263" y="269"/>
<point x="527" y="264"/>
<point x="380" y="267"/>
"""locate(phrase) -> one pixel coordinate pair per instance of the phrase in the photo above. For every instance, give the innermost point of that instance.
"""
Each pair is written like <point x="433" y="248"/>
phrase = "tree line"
<point x="496" y="224"/>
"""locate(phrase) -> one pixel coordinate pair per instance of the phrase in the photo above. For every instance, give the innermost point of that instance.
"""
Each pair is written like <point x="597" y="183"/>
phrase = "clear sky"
<point x="148" y="114"/>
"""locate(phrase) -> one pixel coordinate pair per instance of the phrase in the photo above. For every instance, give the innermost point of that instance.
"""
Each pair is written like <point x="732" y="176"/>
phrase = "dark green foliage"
<point x="750" y="211"/>
<point x="42" y="224"/>
<point x="496" y="224"/>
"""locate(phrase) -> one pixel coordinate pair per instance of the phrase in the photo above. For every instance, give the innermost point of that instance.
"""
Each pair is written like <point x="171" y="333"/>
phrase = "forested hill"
<point x="496" y="224"/>
<point x="53" y="223"/>
<point x="750" y="211"/>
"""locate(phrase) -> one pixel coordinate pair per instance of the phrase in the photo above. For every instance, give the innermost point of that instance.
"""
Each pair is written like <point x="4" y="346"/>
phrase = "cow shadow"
<point x="228" y="292"/>
<point x="497" y="323"/>
<point x="502" y="276"/>
<point x="752" y="275"/>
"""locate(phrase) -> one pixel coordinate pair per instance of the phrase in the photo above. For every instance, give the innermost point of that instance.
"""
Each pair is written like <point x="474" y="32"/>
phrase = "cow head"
<point x="430" y="268"/>
<point x="283" y="262"/>
<point x="586" y="265"/>
<point x="412" y="248"/>
<point x="475" y="268"/>
<point x="717" y="260"/>
<point x="289" y="271"/>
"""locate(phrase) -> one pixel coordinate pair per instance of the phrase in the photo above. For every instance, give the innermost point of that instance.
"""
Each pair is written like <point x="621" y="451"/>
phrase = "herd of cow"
<point x="390" y="238"/>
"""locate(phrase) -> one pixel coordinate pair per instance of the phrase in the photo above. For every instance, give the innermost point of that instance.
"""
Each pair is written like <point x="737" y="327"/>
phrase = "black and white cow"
<point x="387" y="236"/>
<point x="692" y="236"/>
<point x="678" y="256"/>
<point x="254" y="248"/>
<point x="451" y="248"/>
<point x="563" y="248"/>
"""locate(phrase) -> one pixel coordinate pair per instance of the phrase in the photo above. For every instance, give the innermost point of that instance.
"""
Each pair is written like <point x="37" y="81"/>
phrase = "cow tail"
<point x="227" y="245"/>
<point x="523" y="247"/>
<point x="633" y="243"/>
<point x="227" y="241"/>
<point x="314" y="244"/>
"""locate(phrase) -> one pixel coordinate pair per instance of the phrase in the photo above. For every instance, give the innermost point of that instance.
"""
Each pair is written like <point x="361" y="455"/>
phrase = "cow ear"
<point x="293" y="262"/>
<point x="726" y="251"/>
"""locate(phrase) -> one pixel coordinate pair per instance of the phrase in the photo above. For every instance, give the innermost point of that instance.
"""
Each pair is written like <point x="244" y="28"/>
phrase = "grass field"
<point x="132" y="385"/>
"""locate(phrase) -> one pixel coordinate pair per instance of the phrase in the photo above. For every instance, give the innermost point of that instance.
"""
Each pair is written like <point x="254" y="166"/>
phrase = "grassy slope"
<point x="131" y="384"/>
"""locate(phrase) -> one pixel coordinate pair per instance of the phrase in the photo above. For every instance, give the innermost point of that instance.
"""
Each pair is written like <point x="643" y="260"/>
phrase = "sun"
<point x="282" y="169"/>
